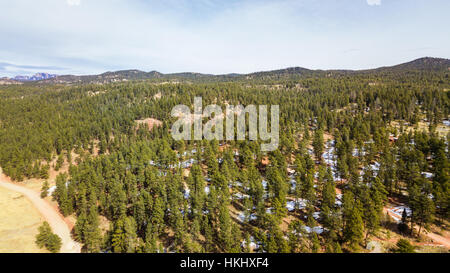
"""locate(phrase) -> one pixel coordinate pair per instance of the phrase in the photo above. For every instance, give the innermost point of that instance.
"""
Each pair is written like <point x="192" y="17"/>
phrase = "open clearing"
<point x="19" y="223"/>
<point x="149" y="122"/>
<point x="47" y="211"/>
<point x="441" y="129"/>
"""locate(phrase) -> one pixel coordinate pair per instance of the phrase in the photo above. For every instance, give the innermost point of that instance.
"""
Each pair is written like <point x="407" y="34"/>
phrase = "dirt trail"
<point x="50" y="214"/>
<point x="436" y="238"/>
<point x="439" y="239"/>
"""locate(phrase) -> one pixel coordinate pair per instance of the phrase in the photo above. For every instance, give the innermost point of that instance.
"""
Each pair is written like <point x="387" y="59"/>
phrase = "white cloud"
<point x="374" y="2"/>
<point x="73" y="2"/>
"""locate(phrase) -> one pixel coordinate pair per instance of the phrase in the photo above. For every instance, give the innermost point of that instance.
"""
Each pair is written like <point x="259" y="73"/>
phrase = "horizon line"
<point x="222" y="74"/>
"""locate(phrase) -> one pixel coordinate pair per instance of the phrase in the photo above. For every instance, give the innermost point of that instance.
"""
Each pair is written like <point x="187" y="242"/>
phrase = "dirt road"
<point x="50" y="214"/>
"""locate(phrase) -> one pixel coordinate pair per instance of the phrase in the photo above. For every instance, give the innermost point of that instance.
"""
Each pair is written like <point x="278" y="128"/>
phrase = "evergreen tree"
<point x="46" y="238"/>
<point x="44" y="190"/>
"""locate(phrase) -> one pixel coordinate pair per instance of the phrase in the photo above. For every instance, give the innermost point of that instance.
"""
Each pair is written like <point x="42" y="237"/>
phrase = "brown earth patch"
<point x="149" y="122"/>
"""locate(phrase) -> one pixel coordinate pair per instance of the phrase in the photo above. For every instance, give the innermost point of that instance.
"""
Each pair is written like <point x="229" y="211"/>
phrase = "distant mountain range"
<point x="422" y="64"/>
<point x="35" y="77"/>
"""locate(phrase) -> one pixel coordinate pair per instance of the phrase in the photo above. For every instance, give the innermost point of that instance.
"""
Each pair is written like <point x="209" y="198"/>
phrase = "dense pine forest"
<point x="351" y="142"/>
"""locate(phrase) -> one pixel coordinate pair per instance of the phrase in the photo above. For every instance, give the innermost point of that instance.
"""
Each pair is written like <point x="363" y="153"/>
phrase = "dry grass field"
<point x="19" y="223"/>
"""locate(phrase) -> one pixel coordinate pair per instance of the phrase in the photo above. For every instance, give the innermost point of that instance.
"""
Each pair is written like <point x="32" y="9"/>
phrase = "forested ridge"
<point x="349" y="142"/>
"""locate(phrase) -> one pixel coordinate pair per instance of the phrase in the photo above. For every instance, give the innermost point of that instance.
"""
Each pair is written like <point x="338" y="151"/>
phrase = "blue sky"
<point x="212" y="36"/>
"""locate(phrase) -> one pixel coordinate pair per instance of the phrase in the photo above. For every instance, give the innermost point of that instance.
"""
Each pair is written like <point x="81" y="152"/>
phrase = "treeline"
<point x="39" y="123"/>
